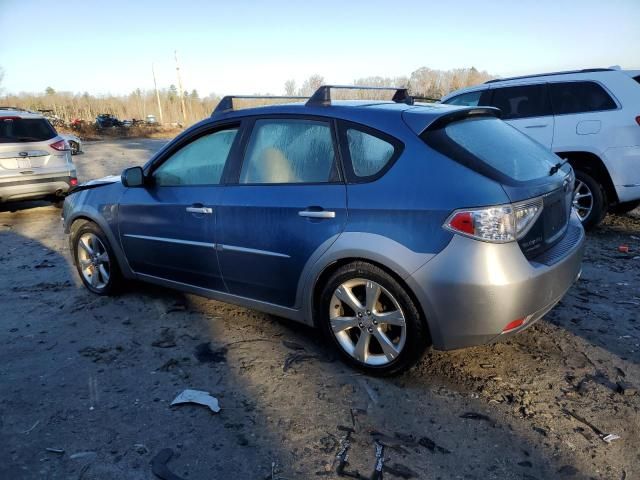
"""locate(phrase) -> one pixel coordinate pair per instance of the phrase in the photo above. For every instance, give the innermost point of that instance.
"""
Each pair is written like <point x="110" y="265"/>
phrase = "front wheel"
<point x="372" y="320"/>
<point x="589" y="200"/>
<point x="94" y="259"/>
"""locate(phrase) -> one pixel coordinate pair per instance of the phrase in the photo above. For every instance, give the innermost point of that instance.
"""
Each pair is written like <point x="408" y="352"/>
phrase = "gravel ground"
<point x="92" y="378"/>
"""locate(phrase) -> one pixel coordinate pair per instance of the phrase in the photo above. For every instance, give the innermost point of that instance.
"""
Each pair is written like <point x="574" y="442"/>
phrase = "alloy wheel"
<point x="367" y="322"/>
<point x="93" y="260"/>
<point x="582" y="199"/>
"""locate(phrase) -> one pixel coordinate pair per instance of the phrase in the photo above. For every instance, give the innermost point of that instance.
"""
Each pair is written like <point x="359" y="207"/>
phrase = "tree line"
<point x="423" y="82"/>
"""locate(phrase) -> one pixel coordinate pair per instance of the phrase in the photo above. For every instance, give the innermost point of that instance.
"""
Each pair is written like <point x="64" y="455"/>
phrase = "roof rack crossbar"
<point x="568" y="72"/>
<point x="226" y="104"/>
<point x="322" y="96"/>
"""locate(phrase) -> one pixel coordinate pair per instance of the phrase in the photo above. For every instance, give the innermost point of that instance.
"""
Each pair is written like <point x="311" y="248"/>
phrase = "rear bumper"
<point x="471" y="290"/>
<point x="35" y="186"/>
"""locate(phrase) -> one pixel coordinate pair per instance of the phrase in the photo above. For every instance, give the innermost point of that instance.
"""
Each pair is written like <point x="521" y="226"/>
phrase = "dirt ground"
<point x="91" y="378"/>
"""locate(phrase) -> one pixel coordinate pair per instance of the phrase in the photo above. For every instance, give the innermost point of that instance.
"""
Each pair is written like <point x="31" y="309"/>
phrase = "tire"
<point x="589" y="200"/>
<point x="406" y="337"/>
<point x="100" y="274"/>
<point x="622" y="208"/>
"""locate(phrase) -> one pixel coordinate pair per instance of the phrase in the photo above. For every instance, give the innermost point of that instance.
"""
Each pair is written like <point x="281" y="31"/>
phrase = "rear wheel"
<point x="372" y="320"/>
<point x="94" y="259"/>
<point x="589" y="200"/>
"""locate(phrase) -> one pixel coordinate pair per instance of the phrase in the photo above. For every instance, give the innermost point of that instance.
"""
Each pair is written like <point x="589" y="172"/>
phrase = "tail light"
<point x="60" y="145"/>
<point x="498" y="224"/>
<point x="73" y="182"/>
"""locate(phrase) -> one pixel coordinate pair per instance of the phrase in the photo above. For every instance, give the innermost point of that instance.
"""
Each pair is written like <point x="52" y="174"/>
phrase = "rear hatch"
<point x="525" y="169"/>
<point x="26" y="147"/>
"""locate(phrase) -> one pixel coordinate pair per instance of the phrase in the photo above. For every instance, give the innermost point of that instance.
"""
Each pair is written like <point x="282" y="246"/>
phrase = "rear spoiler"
<point x="457" y="115"/>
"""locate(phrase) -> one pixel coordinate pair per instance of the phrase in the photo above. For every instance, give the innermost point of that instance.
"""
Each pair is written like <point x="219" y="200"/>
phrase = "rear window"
<point x="25" y="130"/>
<point x="579" y="97"/>
<point x="493" y="148"/>
<point x="522" y="101"/>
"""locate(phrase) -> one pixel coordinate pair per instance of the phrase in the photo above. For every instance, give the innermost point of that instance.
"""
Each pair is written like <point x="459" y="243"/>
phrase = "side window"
<point x="469" y="99"/>
<point x="369" y="154"/>
<point x="577" y="97"/>
<point x="289" y="151"/>
<point x="522" y="102"/>
<point x="200" y="162"/>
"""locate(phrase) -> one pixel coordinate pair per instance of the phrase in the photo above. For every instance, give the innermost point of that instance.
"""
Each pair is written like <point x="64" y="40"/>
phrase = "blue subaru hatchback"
<point x="390" y="225"/>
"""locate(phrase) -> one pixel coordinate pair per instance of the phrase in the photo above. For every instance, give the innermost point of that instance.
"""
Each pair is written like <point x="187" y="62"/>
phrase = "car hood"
<point x="98" y="182"/>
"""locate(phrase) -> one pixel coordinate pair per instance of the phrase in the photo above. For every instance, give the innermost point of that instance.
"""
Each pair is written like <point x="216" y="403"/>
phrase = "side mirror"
<point x="132" y="177"/>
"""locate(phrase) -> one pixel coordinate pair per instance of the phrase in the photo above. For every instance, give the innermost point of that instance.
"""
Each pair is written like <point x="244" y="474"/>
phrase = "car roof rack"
<point x="14" y="108"/>
<point x="567" y="72"/>
<point x="322" y="96"/>
<point x="226" y="104"/>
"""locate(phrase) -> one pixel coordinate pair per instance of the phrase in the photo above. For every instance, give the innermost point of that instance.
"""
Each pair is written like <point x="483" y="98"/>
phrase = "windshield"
<point x="494" y="143"/>
<point x="25" y="130"/>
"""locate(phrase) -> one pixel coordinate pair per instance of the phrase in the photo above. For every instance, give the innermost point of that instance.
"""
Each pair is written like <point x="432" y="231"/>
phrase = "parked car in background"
<point x="445" y="239"/>
<point x="151" y="120"/>
<point x="75" y="143"/>
<point x="589" y="117"/>
<point x="107" y="120"/>
<point x="35" y="162"/>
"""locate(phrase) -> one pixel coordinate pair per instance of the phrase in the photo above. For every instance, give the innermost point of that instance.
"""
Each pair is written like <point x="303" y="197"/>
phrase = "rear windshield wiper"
<point x="557" y="167"/>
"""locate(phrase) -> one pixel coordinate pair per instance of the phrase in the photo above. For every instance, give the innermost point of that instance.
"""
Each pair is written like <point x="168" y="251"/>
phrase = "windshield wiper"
<point x="557" y="167"/>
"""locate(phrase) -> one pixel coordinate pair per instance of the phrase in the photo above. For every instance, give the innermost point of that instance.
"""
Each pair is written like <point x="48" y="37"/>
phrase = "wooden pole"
<point x="157" y="95"/>
<point x="180" y="92"/>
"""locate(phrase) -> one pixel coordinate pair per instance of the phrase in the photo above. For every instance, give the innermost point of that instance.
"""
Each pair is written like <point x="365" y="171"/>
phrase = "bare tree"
<point x="311" y="84"/>
<point x="290" y="87"/>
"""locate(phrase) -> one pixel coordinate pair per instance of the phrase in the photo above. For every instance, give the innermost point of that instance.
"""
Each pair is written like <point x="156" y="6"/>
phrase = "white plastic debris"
<point x="610" y="437"/>
<point x="199" y="397"/>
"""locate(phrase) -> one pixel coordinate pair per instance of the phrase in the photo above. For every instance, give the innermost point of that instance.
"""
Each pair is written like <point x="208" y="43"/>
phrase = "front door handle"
<point x="206" y="210"/>
<point x="317" y="214"/>
<point x="537" y="125"/>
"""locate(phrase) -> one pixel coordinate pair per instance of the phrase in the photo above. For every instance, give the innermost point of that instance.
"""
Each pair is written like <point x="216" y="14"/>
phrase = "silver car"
<point x="35" y="162"/>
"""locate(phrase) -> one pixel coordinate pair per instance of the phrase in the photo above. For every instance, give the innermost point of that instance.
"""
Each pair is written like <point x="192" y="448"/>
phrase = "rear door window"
<point x="494" y="148"/>
<point x="522" y="101"/>
<point x="289" y="151"/>
<point x="579" y="97"/>
<point x="16" y="129"/>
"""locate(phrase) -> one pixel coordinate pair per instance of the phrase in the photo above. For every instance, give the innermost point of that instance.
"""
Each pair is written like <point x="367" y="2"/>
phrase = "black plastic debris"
<point x="159" y="465"/>
<point x="204" y="354"/>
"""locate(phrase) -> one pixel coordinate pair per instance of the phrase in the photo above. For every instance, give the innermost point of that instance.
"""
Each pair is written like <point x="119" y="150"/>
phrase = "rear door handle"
<point x="317" y="214"/>
<point x="537" y="125"/>
<point x="206" y="210"/>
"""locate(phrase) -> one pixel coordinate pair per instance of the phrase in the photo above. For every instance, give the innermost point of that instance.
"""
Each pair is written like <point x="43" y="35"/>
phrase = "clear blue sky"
<point x="107" y="46"/>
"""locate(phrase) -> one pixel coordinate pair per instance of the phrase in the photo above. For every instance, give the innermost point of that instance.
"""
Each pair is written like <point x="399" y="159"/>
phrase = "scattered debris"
<point x="606" y="437"/>
<point x="59" y="451"/>
<point x="432" y="446"/>
<point x="29" y="430"/>
<point x="296" y="357"/>
<point x="159" y="465"/>
<point x="625" y="388"/>
<point x="197" y="396"/>
<point x="140" y="448"/>
<point x="478" y="416"/>
<point x="81" y="455"/>
<point x="487" y="365"/>
<point x="44" y="264"/>
<point x="177" y="306"/>
<point x="204" y="354"/>
<point x="167" y="339"/>
<point x="379" y="464"/>
<point x="292" y="345"/>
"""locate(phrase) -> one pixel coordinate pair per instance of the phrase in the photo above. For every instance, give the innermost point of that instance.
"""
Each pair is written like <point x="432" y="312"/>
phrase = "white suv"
<point x="589" y="117"/>
<point x="35" y="162"/>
